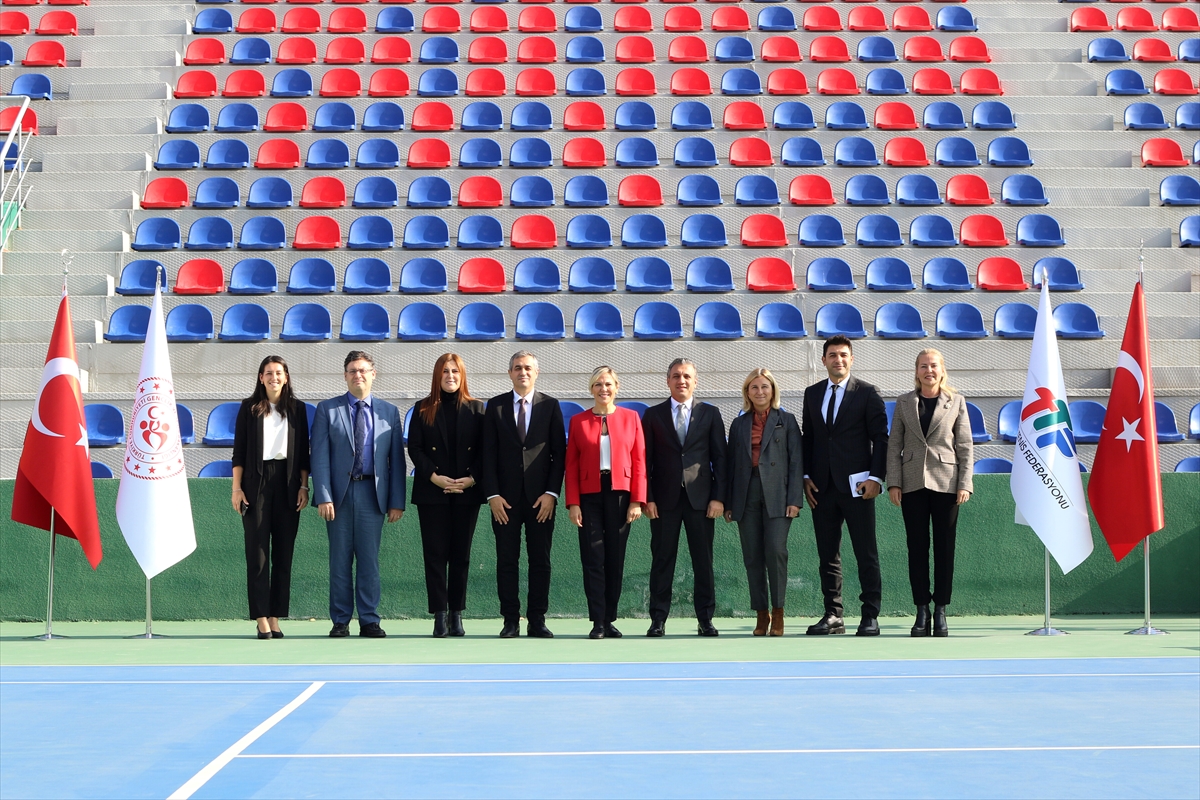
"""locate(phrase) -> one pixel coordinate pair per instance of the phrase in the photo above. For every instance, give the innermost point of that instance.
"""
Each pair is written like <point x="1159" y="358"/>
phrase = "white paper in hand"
<point x="855" y="479"/>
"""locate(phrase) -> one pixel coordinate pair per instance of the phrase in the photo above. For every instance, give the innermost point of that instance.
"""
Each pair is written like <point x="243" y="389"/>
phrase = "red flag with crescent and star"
<point x="1125" y="489"/>
<point x="55" y="472"/>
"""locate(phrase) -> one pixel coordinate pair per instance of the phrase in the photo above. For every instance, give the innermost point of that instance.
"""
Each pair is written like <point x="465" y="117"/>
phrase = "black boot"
<point x="439" y="625"/>
<point x="455" y="624"/>
<point x="921" y="626"/>
<point x="939" y="621"/>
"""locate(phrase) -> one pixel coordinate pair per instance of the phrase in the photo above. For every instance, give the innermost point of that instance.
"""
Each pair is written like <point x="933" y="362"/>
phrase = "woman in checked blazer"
<point x="929" y="472"/>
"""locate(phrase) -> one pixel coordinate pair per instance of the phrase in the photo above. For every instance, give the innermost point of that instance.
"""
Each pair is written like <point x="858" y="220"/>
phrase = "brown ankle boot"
<point x="764" y="619"/>
<point x="777" y="622"/>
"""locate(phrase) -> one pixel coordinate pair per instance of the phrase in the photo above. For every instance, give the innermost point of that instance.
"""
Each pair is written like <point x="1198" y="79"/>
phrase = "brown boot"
<point x="764" y="619"/>
<point x="777" y="622"/>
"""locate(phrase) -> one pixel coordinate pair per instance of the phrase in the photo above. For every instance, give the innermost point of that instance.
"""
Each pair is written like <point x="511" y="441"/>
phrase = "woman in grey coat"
<point x="766" y="492"/>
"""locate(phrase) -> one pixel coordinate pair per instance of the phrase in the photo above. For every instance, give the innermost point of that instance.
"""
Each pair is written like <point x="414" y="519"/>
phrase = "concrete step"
<point x="134" y="90"/>
<point x="171" y="22"/>
<point x="45" y="263"/>
<point x="126" y="58"/>
<point x="44" y="199"/>
<point x="96" y="160"/>
<point x="107" y="126"/>
<point x="73" y="240"/>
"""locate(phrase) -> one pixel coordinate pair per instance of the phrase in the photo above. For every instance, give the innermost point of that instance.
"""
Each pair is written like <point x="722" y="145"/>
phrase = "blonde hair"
<point x="598" y="371"/>
<point x="761" y="372"/>
<point x="944" y="384"/>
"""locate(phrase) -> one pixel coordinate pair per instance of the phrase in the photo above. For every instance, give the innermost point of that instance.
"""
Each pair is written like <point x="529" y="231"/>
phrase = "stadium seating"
<point x="899" y="321"/>
<point x="423" y="276"/>
<point x="537" y="276"/>
<point x="960" y="321"/>
<point x="306" y="322"/>
<point x="829" y="275"/>
<point x="946" y="275"/>
<point x="105" y="425"/>
<point x="311" y="276"/>
<point x="931" y="230"/>
<point x="421" y="322"/>
<point x="779" y="321"/>
<point x="993" y="466"/>
<point x="717" y="320"/>
<point x="1023" y="190"/>
<point x="365" y="322"/>
<point x="648" y="275"/>
<point x="709" y="274"/>
<point x="839" y="318"/>
<point x="878" y="230"/>
<point x="590" y="275"/>
<point x="657" y="320"/>
<point x="245" y="322"/>
<point x="1076" y="321"/>
<point x="267" y="193"/>
<point x="189" y="322"/>
<point x="253" y="276"/>
<point x="889" y="275"/>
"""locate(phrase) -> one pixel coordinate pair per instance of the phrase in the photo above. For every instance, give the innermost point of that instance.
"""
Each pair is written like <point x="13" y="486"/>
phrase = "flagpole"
<point x="49" y="634"/>
<point x="149" y="634"/>
<point x="1046" y="629"/>
<point x="1147" y="629"/>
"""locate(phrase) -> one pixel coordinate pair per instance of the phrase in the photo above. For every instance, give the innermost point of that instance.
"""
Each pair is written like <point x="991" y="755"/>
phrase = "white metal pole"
<point x="1147" y="629"/>
<point x="1046" y="629"/>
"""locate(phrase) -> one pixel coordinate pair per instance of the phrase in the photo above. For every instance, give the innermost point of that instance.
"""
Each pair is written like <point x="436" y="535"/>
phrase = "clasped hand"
<point x="452" y="485"/>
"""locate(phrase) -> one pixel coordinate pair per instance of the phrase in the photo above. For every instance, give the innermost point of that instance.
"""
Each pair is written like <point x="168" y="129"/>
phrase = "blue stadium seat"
<point x="262" y="233"/>
<point x="756" y="190"/>
<point x="802" y="151"/>
<point x="137" y="277"/>
<point x="946" y="274"/>
<point x="1008" y="421"/>
<point x="482" y="115"/>
<point x="227" y="154"/>
<point x="735" y="49"/>
<point x="582" y="19"/>
<point x="960" y="321"/>
<point x="648" y="275"/>
<point x="793" y="116"/>
<point x="1076" y="321"/>
<point x="128" y="324"/>
<point x="830" y="275"/>
<point x="1179" y="190"/>
<point x="590" y="275"/>
<point x="1009" y="151"/>
<point x="219" y="192"/>
<point x="821" y="230"/>
<point x="428" y="191"/>
<point x="380" y="192"/>
<point x="480" y="154"/>
<point x="588" y="231"/>
<point x="479" y="322"/>
<point x="1187" y="116"/>
<point x="776" y="18"/>
<point x="1061" y="272"/>
<point x="292" y="83"/>
<point x="931" y="230"/>
<point x="636" y="151"/>
<point x="237" y="118"/>
<point x="886" y="81"/>
<point x="157" y="233"/>
<point x="531" y="115"/>
<point x="189" y="322"/>
<point x="584" y="49"/>
<point x="695" y="152"/>
<point x="245" y="322"/>
<point x="779" y="321"/>
<point x="979" y="433"/>
<point x="642" y="230"/>
<point x="717" y="320"/>
<point x="105" y="425"/>
<point x="210" y="233"/>
<point x="1189" y="464"/>
<point x="178" y="154"/>
<point x="253" y="276"/>
<point x="421" y="322"/>
<point x="1015" y="321"/>
<point x="532" y="191"/>
<point x="530" y="153"/>
<point x="955" y="151"/>
<point x="1125" y="82"/>
<point x="955" y="18"/>
<point x="867" y="190"/>
<point x="311" y="276"/>
<point x="272" y="192"/>
<point x="917" y="190"/>
<point x="537" y="275"/>
<point x="540" y="322"/>
<point x="586" y="191"/>
<point x="657" y="320"/>
<point x="994" y="466"/>
<point x="218" y="429"/>
<point x="889" y="407"/>
<point x="992" y="115"/>
<point x="384" y="116"/>
<point x="371" y="233"/>
<point x="394" y="19"/>
<point x="102" y="471"/>
<point x="33" y="85"/>
<point x="635" y="115"/>
<point x="1087" y="420"/>
<point x="877" y="49"/>
<point x="423" y="276"/>
<point x="335" y="117"/>
<point x="889" y="275"/>
<point x="1194" y="422"/>
<point x="438" y="50"/>
<point x="878" y="230"/>
<point x="599" y="322"/>
<point x="845" y="115"/>
<point x="943" y="116"/>
<point x="740" y="81"/>
<point x="426" y="233"/>
<point x="327" y="154"/>
<point x="1167" y="429"/>
<point x="216" y="469"/>
<point x="1023" y="190"/>
<point x="1189" y="231"/>
<point x="709" y="274"/>
<point x="365" y="322"/>
<point x="1189" y="50"/>
<point x="1145" y="117"/>
<point x="213" y="20"/>
<point x="585" y="82"/>
<point x="840" y="318"/>
<point x="698" y="190"/>
<point x="188" y="118"/>
<point x="437" y="82"/>
<point x="854" y="151"/>
<point x="1105" y="50"/>
<point x="6" y="54"/>
<point x="634" y="405"/>
<point x="250" y="50"/>
<point x="306" y="322"/>
<point x="480" y="232"/>
<point x="1039" y="230"/>
<point x="703" y="230"/>
<point x="376" y="154"/>
<point x="899" y="321"/>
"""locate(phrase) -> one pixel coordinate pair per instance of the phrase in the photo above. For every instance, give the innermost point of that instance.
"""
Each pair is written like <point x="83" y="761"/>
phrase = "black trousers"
<point x="602" y="540"/>
<point x="920" y="509"/>
<point x="446" y="535"/>
<point x="270" y="526"/>
<point x="539" y="537"/>
<point x="664" y="549"/>
<point x="832" y="509"/>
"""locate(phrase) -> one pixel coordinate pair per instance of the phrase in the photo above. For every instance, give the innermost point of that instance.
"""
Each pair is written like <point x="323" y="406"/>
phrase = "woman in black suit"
<point x="270" y="487"/>
<point x="444" y="443"/>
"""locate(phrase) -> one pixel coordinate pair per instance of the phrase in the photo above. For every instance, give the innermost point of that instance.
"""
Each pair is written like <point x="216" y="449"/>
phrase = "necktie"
<point x="681" y="423"/>
<point x="360" y="437"/>
<point x="521" y="420"/>
<point x="829" y="409"/>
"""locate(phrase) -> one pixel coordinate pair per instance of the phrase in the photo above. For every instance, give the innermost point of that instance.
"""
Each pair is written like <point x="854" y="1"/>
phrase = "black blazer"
<point x="248" y="444"/>
<point x="858" y="441"/>
<point x="780" y="465"/>
<point x="514" y="470"/>
<point x="698" y="466"/>
<point x="428" y="450"/>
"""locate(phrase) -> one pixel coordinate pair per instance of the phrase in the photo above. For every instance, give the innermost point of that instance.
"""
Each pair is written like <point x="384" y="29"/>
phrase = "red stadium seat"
<point x="763" y="230"/>
<point x="1151" y="49"/>
<point x="810" y="190"/>
<point x="1173" y="81"/>
<point x="979" y="80"/>
<point x="770" y="274"/>
<point x="392" y="50"/>
<point x="485" y="82"/>
<point x="481" y="276"/>
<point x="828" y="48"/>
<point x="432" y="116"/>
<point x="25" y="3"/>
<point x="537" y="50"/>
<point x="429" y="154"/>
<point x="932" y="80"/>
<point x="262" y="20"/>
<point x="895" y="116"/>
<point x="750" y="152"/>
<point x="196" y="83"/>
<point x="923" y="48"/>
<point x="160" y="192"/>
<point x="489" y="19"/>
<point x="982" y="230"/>
<point x="199" y="276"/>
<point x="14" y="23"/>
<point x="683" y="19"/>
<point x="969" y="48"/>
<point x="536" y="82"/>
<point x="324" y="192"/>
<point x="968" y="190"/>
<point x="317" y="233"/>
<point x="632" y="19"/>
<point x="583" y="151"/>
<point x="533" y="232"/>
<point x="822" y="18"/>
<point x="299" y="20"/>
<point x="8" y="118"/>
<point x="199" y="52"/>
<point x="744" y="116"/>
<point x="1183" y="20"/>
<point x="905" y="151"/>
<point x="304" y="2"/>
<point x="58" y="23"/>
<point x="1163" y="153"/>
<point x="911" y="18"/>
<point x="634" y="50"/>
<point x="347" y="20"/>
<point x="244" y="83"/>
<point x="584" y="115"/>
<point x="639" y="82"/>
<point x="441" y="20"/>
<point x="277" y="154"/>
<point x="296" y="50"/>
<point x="536" y="19"/>
<point x="787" y="81"/>
<point x="837" y="80"/>
<point x="1089" y="19"/>
<point x="866" y="18"/>
<point x="388" y="82"/>
<point x="480" y="191"/>
<point x="730" y="18"/>
<point x="999" y="274"/>
<point x="639" y="191"/>
<point x="345" y="50"/>
<point x="1135" y="18"/>
<point x="286" y="118"/>
<point x="780" y="48"/>
<point x="341" y="82"/>
<point x="70" y="2"/>
<point x="47" y="53"/>
<point x="687" y="50"/>
<point x="487" y="50"/>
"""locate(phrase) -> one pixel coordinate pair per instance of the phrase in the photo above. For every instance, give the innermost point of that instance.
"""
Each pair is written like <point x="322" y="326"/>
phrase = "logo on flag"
<point x="155" y="450"/>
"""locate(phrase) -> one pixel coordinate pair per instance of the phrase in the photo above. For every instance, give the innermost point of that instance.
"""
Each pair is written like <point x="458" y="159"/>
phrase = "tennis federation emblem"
<point x="1051" y="422"/>
<point x="154" y="450"/>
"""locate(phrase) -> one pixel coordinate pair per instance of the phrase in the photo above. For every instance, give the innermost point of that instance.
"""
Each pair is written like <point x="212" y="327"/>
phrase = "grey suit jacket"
<point x="780" y="464"/>
<point x="333" y="453"/>
<point x="941" y="460"/>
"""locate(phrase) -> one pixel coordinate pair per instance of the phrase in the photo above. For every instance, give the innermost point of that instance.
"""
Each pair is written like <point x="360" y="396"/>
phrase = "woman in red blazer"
<point x="606" y="487"/>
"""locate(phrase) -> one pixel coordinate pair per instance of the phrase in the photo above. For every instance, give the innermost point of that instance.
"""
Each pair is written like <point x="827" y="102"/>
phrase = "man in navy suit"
<point x="358" y="479"/>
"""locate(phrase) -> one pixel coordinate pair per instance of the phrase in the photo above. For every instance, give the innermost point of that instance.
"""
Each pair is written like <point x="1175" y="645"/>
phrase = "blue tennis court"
<point x="956" y="728"/>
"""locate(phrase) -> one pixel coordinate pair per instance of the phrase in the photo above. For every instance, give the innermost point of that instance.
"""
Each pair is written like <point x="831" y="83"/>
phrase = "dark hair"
<point x="428" y="408"/>
<point x="260" y="406"/>
<point x="357" y="355"/>
<point x="681" y="362"/>
<point x="836" y="341"/>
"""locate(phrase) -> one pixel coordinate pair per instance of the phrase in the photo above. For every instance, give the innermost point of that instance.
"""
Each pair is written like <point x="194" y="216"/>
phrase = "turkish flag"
<point x="1125" y="489"/>
<point x="55" y="474"/>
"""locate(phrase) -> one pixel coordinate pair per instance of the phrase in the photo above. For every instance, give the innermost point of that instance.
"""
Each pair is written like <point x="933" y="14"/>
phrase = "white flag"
<point x="1045" y="475"/>
<point x="153" y="506"/>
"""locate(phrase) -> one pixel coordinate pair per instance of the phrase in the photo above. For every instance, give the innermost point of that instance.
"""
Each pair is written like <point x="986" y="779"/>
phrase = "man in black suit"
<point x="524" y="457"/>
<point x="686" y="485"/>
<point x="844" y="437"/>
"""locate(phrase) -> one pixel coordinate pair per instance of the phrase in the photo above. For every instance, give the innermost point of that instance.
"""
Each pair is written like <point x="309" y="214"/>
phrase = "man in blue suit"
<point x="358" y="479"/>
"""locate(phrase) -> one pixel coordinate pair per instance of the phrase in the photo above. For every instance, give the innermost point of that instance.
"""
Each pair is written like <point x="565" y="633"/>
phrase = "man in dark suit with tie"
<point x="524" y="456"/>
<point x="686" y="486"/>
<point x="358" y="481"/>
<point x="844" y="438"/>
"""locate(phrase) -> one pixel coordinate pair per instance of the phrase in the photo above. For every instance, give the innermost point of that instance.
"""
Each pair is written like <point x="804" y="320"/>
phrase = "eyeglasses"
<point x="360" y="371"/>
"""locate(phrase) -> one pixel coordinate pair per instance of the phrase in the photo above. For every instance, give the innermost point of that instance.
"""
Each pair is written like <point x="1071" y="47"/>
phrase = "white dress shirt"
<point x="275" y="436"/>
<point x="687" y="413"/>
<point x="605" y="452"/>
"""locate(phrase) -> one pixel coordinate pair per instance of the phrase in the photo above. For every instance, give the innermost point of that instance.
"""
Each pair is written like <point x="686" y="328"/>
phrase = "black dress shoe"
<point x="827" y="625"/>
<point x="339" y="630"/>
<point x="921" y="626"/>
<point x="454" y="624"/>
<point x="939" y="621"/>
<point x="611" y="632"/>
<point x="657" y="628"/>
<point x="869" y="626"/>
<point x="263" y="634"/>
<point x="371" y="630"/>
<point x="276" y="634"/>
<point x="511" y="630"/>
<point x="439" y="625"/>
<point x="597" y="631"/>
<point x="705" y="627"/>
<point x="538" y="630"/>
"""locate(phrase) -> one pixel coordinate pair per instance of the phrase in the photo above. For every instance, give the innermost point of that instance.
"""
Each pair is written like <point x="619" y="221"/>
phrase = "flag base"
<point x="45" y="637"/>
<point x="1047" y="631"/>
<point x="148" y="635"/>
<point x="1145" y="630"/>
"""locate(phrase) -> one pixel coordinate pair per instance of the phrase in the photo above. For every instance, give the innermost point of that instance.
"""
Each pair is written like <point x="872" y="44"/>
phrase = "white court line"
<point x="217" y="764"/>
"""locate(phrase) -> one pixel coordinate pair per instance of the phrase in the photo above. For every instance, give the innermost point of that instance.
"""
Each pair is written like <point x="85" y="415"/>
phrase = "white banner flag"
<point x="1045" y="475"/>
<point x="153" y="506"/>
